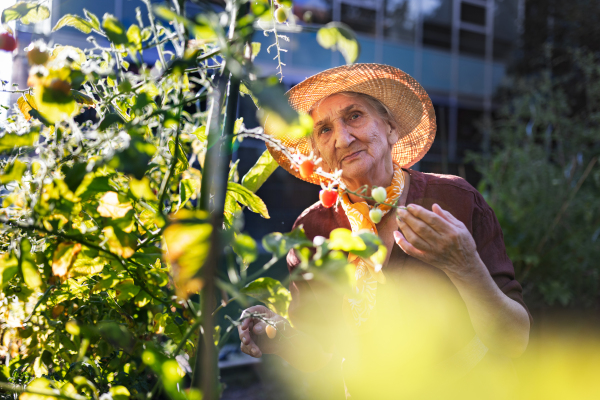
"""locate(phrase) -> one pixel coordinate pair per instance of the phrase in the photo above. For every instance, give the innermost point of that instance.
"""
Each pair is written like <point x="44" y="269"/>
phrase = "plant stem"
<point x="165" y="183"/>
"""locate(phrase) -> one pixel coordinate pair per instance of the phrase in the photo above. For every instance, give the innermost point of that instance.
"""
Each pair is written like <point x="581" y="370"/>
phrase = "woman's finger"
<point x="430" y="218"/>
<point x="419" y="226"/>
<point x="406" y="246"/>
<point x="259" y="327"/>
<point x="413" y="238"/>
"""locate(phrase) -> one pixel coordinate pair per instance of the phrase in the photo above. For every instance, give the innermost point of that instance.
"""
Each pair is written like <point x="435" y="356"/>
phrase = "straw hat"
<point x="404" y="97"/>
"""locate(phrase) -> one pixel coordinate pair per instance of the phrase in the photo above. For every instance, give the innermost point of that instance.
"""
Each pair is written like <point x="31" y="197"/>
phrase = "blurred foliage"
<point x="543" y="180"/>
<point x="103" y="238"/>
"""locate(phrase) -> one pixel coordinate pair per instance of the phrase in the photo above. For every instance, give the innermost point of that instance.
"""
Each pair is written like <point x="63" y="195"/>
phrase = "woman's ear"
<point x="393" y="133"/>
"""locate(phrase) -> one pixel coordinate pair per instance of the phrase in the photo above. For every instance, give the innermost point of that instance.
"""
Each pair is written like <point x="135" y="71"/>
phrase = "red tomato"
<point x="328" y="197"/>
<point x="7" y="42"/>
<point x="306" y="169"/>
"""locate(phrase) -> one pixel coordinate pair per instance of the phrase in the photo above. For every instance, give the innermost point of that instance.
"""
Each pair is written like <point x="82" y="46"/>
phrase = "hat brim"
<point x="404" y="97"/>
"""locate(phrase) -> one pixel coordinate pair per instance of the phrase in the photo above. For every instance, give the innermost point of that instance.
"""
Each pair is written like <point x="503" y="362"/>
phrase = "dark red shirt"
<point x="420" y="297"/>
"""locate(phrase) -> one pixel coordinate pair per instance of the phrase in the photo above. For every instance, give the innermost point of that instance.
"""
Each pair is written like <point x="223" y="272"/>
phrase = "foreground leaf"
<point x="246" y="197"/>
<point x="270" y="292"/>
<point x="260" y="172"/>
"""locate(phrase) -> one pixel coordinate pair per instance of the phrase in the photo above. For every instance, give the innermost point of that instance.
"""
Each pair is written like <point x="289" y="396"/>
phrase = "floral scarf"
<point x="358" y="307"/>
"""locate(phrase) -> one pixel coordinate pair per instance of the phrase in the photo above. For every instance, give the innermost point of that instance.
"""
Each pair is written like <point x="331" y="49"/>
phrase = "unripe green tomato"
<point x="376" y="214"/>
<point x="281" y="15"/>
<point x="271" y="331"/>
<point x="379" y="194"/>
<point x="37" y="56"/>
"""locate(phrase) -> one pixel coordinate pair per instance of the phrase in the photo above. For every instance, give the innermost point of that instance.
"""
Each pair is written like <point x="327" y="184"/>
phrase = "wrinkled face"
<point x="350" y="135"/>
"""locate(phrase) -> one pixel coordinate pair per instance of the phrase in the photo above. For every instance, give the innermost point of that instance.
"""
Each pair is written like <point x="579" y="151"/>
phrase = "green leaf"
<point x="142" y="299"/>
<point x="259" y="173"/>
<point x="74" y="175"/>
<point x="93" y="184"/>
<point x="169" y="371"/>
<point x="280" y="244"/>
<point x="270" y="292"/>
<point x="29" y="269"/>
<point x="336" y="35"/>
<point x="231" y="208"/>
<point x="94" y="21"/>
<point x="110" y="119"/>
<point x="74" y="21"/>
<point x="247" y="198"/>
<point x="11" y="140"/>
<point x="245" y="247"/>
<point x="82" y="98"/>
<point x="187" y="188"/>
<point x="126" y="290"/>
<point x="182" y="161"/>
<point x="27" y="12"/>
<point x="134" y="36"/>
<point x="117" y="335"/>
<point x="141" y="189"/>
<point x="13" y="172"/>
<point x="114" y="29"/>
<point x="9" y="265"/>
<point x="245" y="91"/>
<point x="119" y="393"/>
<point x="255" y="49"/>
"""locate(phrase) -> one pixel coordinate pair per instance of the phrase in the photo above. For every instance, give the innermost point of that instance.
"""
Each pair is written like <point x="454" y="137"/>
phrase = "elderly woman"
<point x="446" y="298"/>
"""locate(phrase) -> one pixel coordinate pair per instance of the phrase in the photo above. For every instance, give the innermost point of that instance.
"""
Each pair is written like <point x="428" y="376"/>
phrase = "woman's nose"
<point x="343" y="136"/>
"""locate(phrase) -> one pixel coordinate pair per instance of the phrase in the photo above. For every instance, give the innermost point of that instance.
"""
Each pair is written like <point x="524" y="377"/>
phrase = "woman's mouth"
<point x="351" y="157"/>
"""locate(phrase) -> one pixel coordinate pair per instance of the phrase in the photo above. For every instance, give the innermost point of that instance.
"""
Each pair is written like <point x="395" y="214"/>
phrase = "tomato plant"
<point x="121" y="209"/>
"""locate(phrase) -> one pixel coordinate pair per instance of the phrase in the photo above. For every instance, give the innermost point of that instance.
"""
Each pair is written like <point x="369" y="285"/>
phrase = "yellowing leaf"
<point x="11" y="141"/>
<point x="13" y="172"/>
<point x="120" y="243"/>
<point x="141" y="188"/>
<point x="74" y="21"/>
<point x="111" y="207"/>
<point x="187" y="243"/>
<point x="63" y="257"/>
<point x="88" y="262"/>
<point x="27" y="12"/>
<point x="39" y="385"/>
<point x="126" y="290"/>
<point x="9" y="265"/>
<point x="26" y="104"/>
<point x="29" y="269"/>
<point x="55" y="103"/>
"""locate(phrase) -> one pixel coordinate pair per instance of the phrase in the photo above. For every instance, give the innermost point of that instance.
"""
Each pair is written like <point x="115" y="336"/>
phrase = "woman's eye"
<point x="324" y="130"/>
<point x="354" y="116"/>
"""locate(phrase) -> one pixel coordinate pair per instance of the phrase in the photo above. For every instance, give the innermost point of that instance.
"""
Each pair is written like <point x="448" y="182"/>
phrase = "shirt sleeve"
<point x="490" y="246"/>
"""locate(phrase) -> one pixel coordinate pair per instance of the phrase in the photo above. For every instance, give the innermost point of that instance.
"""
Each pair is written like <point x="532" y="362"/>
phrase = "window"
<point x="472" y="14"/>
<point x="472" y="43"/>
<point x="436" y="35"/>
<point x="360" y="19"/>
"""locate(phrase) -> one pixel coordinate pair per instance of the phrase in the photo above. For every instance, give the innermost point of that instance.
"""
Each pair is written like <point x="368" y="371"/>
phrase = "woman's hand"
<point x="437" y="238"/>
<point x="253" y="327"/>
